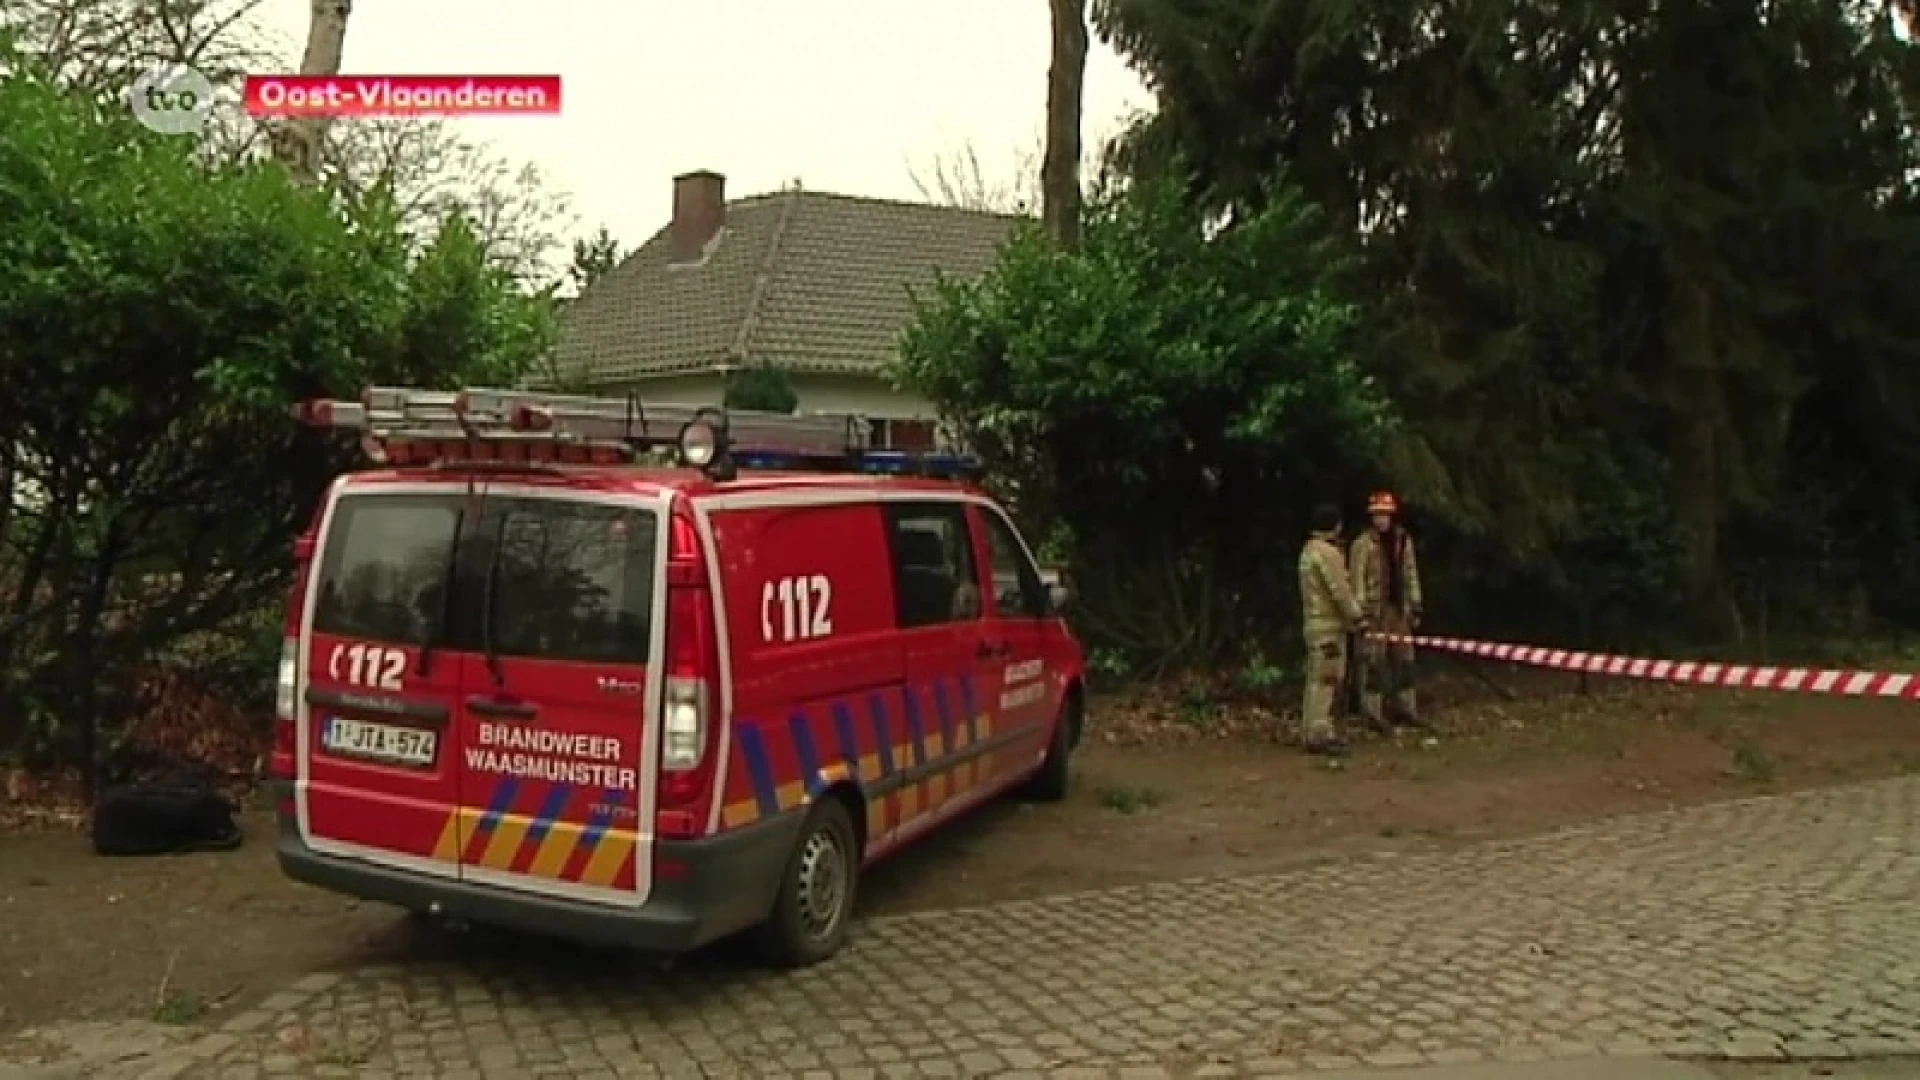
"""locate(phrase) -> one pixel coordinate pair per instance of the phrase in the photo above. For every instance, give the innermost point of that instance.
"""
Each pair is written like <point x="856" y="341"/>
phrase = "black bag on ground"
<point x="160" y="818"/>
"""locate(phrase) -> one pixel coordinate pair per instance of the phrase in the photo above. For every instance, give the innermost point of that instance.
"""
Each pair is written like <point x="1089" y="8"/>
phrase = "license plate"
<point x="379" y="742"/>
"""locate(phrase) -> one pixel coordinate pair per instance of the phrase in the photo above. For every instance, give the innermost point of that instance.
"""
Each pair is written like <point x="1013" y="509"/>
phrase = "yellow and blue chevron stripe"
<point x="544" y="844"/>
<point x="904" y="779"/>
<point x="929" y="766"/>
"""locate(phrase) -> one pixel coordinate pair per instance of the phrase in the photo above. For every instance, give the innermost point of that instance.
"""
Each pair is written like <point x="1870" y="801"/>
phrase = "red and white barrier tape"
<point x="1692" y="672"/>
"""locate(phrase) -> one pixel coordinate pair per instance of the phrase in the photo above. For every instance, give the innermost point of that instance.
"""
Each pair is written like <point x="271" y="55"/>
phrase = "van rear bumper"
<point x="716" y="886"/>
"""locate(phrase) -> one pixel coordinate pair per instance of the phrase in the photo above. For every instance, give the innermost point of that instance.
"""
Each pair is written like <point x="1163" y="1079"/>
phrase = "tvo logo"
<point x="172" y="99"/>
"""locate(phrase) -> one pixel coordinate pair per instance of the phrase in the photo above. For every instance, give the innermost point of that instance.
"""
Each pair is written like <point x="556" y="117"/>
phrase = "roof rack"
<point x="524" y="428"/>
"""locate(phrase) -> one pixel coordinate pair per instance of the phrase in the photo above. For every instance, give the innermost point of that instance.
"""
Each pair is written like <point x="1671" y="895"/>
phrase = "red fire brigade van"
<point x="532" y="681"/>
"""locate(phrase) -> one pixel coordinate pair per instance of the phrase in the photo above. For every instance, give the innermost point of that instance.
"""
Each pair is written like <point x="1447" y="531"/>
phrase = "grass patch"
<point x="342" y="1056"/>
<point x="1127" y="799"/>
<point x="1197" y="706"/>
<point x="1752" y="763"/>
<point x="178" y="1009"/>
<point x="173" y="1006"/>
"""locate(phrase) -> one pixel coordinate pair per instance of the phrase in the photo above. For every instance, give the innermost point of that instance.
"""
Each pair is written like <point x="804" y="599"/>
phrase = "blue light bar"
<point x="940" y="466"/>
<point x="787" y="460"/>
<point x="907" y="463"/>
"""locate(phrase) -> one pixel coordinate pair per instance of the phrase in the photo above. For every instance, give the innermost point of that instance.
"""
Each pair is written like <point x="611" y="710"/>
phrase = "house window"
<point x="915" y="435"/>
<point x="912" y="435"/>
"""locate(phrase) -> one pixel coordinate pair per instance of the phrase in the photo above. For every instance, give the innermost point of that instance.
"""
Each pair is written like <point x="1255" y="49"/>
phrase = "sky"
<point x="847" y="96"/>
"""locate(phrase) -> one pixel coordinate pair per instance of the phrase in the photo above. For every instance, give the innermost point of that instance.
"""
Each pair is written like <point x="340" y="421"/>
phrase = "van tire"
<point x="1051" y="782"/>
<point x="826" y="858"/>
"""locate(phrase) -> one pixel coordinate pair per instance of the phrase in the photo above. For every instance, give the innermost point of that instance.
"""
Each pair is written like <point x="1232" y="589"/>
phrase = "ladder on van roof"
<point x="506" y="428"/>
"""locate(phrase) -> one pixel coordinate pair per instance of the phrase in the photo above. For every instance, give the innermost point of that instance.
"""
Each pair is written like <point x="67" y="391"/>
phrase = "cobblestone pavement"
<point x="1758" y="930"/>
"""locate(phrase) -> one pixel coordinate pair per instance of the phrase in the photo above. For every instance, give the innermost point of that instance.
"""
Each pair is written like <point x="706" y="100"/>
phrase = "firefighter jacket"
<point x="1326" y="601"/>
<point x="1386" y="575"/>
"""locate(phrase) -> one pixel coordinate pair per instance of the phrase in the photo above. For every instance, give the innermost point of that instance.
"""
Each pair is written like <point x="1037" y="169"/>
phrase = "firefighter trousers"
<point x="1326" y="669"/>
<point x="1386" y="677"/>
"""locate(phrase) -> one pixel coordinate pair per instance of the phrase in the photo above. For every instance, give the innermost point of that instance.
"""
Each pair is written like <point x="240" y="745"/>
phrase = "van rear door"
<point x="558" y="721"/>
<point x="377" y="754"/>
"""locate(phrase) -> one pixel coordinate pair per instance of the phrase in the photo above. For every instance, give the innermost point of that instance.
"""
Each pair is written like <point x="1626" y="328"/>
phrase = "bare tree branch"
<point x="102" y="46"/>
<point x="957" y="179"/>
<point x="430" y="171"/>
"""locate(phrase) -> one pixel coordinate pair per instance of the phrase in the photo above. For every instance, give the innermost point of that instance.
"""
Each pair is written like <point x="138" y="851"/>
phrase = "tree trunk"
<point x="1060" y="171"/>
<point x="84" y="647"/>
<point x="1699" y="476"/>
<point x="297" y="141"/>
<point x="7" y="451"/>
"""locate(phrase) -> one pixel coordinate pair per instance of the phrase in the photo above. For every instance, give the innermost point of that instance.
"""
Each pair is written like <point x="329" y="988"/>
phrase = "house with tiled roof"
<point x="818" y="286"/>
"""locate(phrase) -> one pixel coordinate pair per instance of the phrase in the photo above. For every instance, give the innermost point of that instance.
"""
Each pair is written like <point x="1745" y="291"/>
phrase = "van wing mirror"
<point x="1059" y="593"/>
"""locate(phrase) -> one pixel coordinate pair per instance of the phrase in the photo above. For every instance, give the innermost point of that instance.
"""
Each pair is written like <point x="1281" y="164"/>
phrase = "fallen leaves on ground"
<point x="33" y="801"/>
<point x="179" y="720"/>
<point x="177" y="725"/>
<point x="1496" y="699"/>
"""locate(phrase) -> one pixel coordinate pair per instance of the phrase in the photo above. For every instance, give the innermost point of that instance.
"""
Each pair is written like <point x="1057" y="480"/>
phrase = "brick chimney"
<point x="699" y="210"/>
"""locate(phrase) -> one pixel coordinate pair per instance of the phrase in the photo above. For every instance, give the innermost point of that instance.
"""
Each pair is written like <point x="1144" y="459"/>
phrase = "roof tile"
<point x="838" y="271"/>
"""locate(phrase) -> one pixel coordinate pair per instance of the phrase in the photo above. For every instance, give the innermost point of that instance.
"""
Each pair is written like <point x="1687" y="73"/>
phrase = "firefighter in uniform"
<point x="1386" y="582"/>
<point x="1330" y="613"/>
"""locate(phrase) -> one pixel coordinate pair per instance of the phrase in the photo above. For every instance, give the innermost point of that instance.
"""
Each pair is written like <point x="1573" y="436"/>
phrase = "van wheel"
<point x="1050" y="783"/>
<point x="813" y="912"/>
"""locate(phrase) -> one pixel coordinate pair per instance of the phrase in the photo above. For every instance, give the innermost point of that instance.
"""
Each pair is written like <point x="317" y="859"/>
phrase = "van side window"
<point x="573" y="581"/>
<point x="935" y="578"/>
<point x="384" y="571"/>
<point x="1017" y="588"/>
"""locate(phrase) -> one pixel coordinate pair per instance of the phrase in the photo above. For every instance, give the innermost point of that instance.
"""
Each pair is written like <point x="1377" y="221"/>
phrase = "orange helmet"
<point x="1382" y="502"/>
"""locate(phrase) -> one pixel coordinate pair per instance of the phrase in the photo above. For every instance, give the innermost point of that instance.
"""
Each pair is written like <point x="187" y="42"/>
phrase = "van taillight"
<point x="687" y="730"/>
<point x="282" y="766"/>
<point x="283" y="733"/>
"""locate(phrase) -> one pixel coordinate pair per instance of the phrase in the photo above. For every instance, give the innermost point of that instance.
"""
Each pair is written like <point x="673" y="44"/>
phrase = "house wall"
<point x="867" y="395"/>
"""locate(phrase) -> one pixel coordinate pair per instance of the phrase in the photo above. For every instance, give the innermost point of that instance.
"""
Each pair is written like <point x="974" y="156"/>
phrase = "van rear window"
<point x="574" y="581"/>
<point x="384" y="567"/>
<point x="552" y="578"/>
